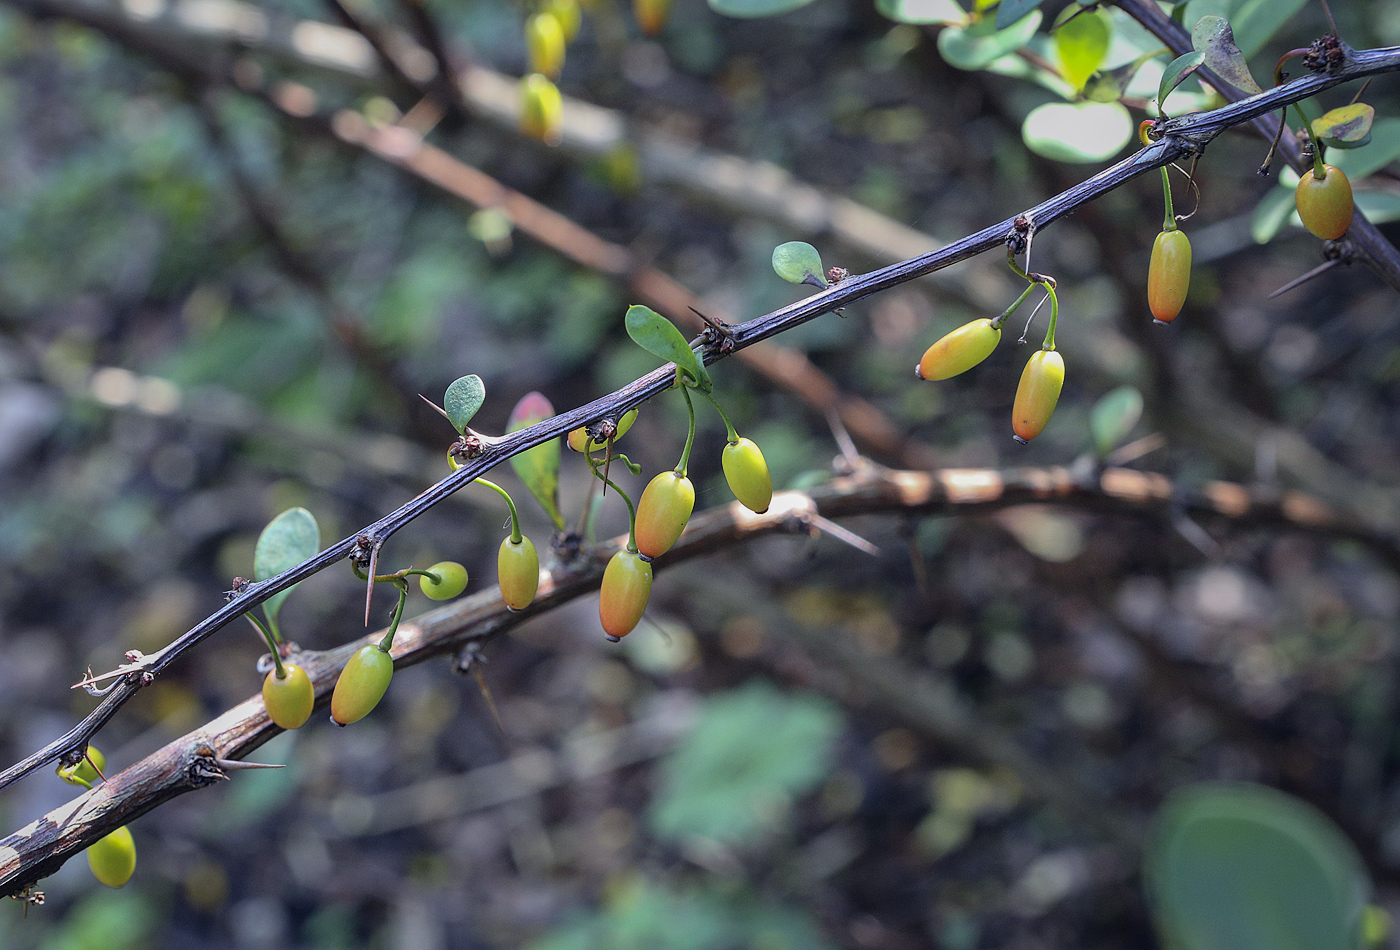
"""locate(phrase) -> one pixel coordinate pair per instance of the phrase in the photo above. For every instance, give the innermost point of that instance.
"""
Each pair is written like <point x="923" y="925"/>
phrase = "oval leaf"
<point x="461" y="401"/>
<point x="1081" y="42"/>
<point x="1250" y="868"/>
<point x="977" y="46"/>
<point x="921" y="12"/>
<point x="1216" y="41"/>
<point x="1271" y="214"/>
<point x="751" y="9"/>
<point x="1114" y="417"/>
<point x="288" y="539"/>
<point x="659" y="337"/>
<point x="1347" y="124"/>
<point x="799" y="263"/>
<point x="1078" y="131"/>
<point x="1009" y="12"/>
<point x="1177" y="71"/>
<point x="1109" y="85"/>
<point x="538" y="468"/>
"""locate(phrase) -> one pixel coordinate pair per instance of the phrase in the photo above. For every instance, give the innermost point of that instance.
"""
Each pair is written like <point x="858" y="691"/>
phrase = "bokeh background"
<point x="210" y="311"/>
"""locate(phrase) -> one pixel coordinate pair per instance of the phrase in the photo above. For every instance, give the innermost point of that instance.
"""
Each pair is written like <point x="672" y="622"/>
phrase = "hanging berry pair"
<point x="112" y="857"/>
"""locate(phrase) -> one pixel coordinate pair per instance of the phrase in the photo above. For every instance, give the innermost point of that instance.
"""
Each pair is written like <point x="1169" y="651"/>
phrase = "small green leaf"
<point x="1250" y="868"/>
<point x="752" y="9"/>
<point x="799" y="263"/>
<point x="1175" y="73"/>
<point x="1114" y="417"/>
<point x="1078" y="131"/>
<point x="461" y="401"/>
<point x="288" y="539"/>
<point x="1383" y="149"/>
<point x="1350" y="123"/>
<point x="1109" y="85"/>
<point x="538" y="467"/>
<point x="1271" y="214"/>
<point x="1009" y="12"/>
<point x="1214" y="38"/>
<point x="1081" y="42"/>
<point x="659" y="337"/>
<point x="977" y="46"/>
<point x="921" y="12"/>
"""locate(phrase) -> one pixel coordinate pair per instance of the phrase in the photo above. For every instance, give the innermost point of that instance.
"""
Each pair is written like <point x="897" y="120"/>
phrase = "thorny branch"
<point x="1180" y="137"/>
<point x="206" y="754"/>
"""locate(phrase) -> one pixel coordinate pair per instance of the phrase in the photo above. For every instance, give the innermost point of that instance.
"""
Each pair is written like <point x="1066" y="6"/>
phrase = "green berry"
<point x="451" y="580"/>
<point x="662" y="513"/>
<point x="362" y="685"/>
<point x="518" y="569"/>
<point x="289" y="699"/>
<point x="747" y="474"/>
<point x="113" y="858"/>
<point x="87" y="771"/>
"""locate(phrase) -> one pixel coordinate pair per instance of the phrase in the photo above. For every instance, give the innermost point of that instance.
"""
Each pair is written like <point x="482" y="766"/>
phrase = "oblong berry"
<point x="1037" y="394"/>
<point x="544" y="40"/>
<point x="959" y="351"/>
<point x="541" y="109"/>
<point x="623" y="597"/>
<point x="113" y="858"/>
<point x="289" y="700"/>
<point x="1168" y="275"/>
<point x="362" y="684"/>
<point x="746" y="471"/>
<point x="1325" y="204"/>
<point x="518" y="572"/>
<point x="662" y="513"/>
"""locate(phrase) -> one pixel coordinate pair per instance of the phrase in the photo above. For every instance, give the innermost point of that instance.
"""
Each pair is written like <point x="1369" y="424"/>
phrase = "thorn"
<point x="849" y="452"/>
<point x="87" y="757"/>
<point x="369" y="585"/>
<point x="1317" y="271"/>
<point x="841" y="534"/>
<point x="236" y="765"/>
<point x="440" y="411"/>
<point x="1196" y="536"/>
<point x="1135" y="450"/>
<point x="722" y="329"/>
<point x="480" y="678"/>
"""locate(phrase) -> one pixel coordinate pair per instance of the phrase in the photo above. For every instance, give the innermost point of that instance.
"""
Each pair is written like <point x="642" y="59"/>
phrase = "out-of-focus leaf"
<point x="752" y="9"/>
<point x="1078" y="131"/>
<point x="462" y="400"/>
<point x="659" y="337"/>
<point x="798" y="262"/>
<point x="1081" y="42"/>
<point x="1383" y="149"/>
<point x="977" y="46"/>
<point x="1254" y="21"/>
<point x="1175" y="73"/>
<point x="1109" y="85"/>
<point x="750" y="752"/>
<point x="538" y="467"/>
<point x="1114" y="417"/>
<point x="290" y="538"/>
<point x="1345" y="127"/>
<point x="1250" y="868"/>
<point x="1379" y="206"/>
<point x="921" y="12"/>
<point x="1010" y="12"/>
<point x="1271" y="214"/>
<point x="1213" y="37"/>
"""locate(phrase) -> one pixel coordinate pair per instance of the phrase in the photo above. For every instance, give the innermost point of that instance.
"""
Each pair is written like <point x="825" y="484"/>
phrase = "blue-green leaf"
<point x="1213" y="37"/>
<point x="1010" y="12"/>
<point x="1250" y="868"/>
<point x="288" y="539"/>
<point x="799" y="263"/>
<point x="921" y="12"/>
<point x="538" y="467"/>
<point x="461" y="401"/>
<point x="1175" y="73"/>
<point x="1113" y="418"/>
<point x="659" y="337"/>
<point x="752" y="9"/>
<point x="977" y="46"/>
<point x="1078" y="131"/>
<point x="1271" y="214"/>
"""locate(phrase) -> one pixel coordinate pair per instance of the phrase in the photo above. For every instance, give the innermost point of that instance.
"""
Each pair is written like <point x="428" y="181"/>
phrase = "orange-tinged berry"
<point x="624" y="594"/>
<point x="290" y="699"/>
<point x="1325" y="204"/>
<point x="662" y="513"/>
<point x="362" y="684"/>
<point x="746" y="471"/>
<point x="518" y="570"/>
<point x="545" y="40"/>
<point x="651" y="15"/>
<point x="1037" y="394"/>
<point x="541" y="109"/>
<point x="1169" y="275"/>
<point x="113" y="858"/>
<point x="959" y="351"/>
